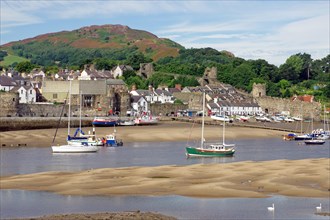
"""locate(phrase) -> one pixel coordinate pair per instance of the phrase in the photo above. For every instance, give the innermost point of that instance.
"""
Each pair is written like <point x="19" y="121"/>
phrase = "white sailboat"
<point x="73" y="148"/>
<point x="89" y="139"/>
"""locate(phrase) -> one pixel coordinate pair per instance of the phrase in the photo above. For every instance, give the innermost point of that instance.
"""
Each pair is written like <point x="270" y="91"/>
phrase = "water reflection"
<point x="31" y="160"/>
<point x="20" y="203"/>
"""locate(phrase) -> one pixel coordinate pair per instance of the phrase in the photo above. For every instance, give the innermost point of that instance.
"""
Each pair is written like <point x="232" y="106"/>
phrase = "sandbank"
<point x="301" y="178"/>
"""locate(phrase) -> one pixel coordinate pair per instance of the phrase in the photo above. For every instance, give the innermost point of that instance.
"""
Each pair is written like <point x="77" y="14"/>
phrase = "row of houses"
<point x="100" y="90"/>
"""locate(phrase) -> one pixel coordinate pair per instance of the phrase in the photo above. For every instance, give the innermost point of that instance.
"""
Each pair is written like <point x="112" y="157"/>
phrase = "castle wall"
<point x="164" y="109"/>
<point x="296" y="108"/>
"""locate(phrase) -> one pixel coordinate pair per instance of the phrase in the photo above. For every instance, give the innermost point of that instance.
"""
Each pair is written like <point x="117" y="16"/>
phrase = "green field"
<point x="10" y="59"/>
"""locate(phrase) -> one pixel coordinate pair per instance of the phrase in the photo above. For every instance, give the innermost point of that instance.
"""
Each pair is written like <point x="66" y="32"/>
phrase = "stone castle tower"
<point x="146" y="70"/>
<point x="209" y="77"/>
<point x="258" y="90"/>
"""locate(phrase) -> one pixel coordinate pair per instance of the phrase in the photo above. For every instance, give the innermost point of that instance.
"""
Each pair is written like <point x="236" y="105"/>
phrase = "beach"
<point x="247" y="179"/>
<point x="164" y="131"/>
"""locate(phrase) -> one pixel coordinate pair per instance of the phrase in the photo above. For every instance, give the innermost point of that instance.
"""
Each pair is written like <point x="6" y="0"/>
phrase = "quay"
<point x="28" y="123"/>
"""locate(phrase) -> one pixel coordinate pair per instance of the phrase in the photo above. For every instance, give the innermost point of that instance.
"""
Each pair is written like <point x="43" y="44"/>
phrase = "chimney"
<point x="178" y="86"/>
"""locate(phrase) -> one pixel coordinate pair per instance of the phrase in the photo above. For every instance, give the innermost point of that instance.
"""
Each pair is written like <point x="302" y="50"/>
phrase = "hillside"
<point x="93" y="41"/>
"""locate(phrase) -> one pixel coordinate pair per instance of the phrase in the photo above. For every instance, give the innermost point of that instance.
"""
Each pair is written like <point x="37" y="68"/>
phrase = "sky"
<point x="261" y="29"/>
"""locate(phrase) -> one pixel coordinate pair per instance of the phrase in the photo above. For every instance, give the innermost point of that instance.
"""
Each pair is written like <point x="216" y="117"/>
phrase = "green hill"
<point x="110" y="41"/>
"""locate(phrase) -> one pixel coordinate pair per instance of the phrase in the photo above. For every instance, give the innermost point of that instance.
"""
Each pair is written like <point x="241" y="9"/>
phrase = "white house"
<point x="139" y="104"/>
<point x="84" y="76"/>
<point x="163" y="96"/>
<point x="27" y="94"/>
<point x="151" y="95"/>
<point x="120" y="69"/>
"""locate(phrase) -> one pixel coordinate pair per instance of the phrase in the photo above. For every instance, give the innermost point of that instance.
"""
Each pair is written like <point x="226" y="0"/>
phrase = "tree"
<point x="284" y="85"/>
<point x="136" y="59"/>
<point x="242" y="75"/>
<point x="104" y="64"/>
<point x="51" y="70"/>
<point x="292" y="69"/>
<point x="25" y="67"/>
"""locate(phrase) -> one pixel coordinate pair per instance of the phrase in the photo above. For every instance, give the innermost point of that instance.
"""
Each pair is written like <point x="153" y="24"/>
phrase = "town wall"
<point x="9" y="102"/>
<point x="274" y="105"/>
<point x="166" y="109"/>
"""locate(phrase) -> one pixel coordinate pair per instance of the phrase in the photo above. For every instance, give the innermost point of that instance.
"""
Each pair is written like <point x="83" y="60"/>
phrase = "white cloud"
<point x="251" y="29"/>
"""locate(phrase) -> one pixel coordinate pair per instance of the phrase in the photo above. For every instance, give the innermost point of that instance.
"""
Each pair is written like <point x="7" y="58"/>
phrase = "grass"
<point x="10" y="59"/>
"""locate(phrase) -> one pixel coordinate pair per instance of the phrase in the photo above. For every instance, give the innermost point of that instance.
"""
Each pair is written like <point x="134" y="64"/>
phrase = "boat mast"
<point x="223" y="128"/>
<point x="301" y="121"/>
<point x="80" y="109"/>
<point x="69" y="116"/>
<point x="324" y="127"/>
<point x="202" y="138"/>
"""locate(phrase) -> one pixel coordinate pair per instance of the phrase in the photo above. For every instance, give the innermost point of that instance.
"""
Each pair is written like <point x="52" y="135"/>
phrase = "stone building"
<point x="258" y="90"/>
<point x="9" y="103"/>
<point x="146" y="70"/>
<point x="119" y="97"/>
<point x="209" y="77"/>
<point x="98" y="97"/>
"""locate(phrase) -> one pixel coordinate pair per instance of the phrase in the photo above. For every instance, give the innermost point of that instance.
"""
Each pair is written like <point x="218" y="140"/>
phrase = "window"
<point x="55" y="96"/>
<point x="22" y="91"/>
<point x="31" y="92"/>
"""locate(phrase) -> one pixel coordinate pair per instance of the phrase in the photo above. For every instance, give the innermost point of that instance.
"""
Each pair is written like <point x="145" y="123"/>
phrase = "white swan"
<point x="319" y="208"/>
<point x="272" y="208"/>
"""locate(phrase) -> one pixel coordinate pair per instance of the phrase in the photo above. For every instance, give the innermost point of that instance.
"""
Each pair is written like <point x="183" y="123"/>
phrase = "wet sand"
<point x="302" y="178"/>
<point x="165" y="131"/>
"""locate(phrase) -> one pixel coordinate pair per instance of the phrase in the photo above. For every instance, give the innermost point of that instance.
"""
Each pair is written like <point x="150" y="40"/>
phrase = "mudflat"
<point x="164" y="131"/>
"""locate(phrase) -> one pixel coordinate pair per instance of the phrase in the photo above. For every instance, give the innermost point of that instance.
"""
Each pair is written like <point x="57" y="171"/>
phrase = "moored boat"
<point x="79" y="148"/>
<point x="111" y="141"/>
<point x="147" y="120"/>
<point x="126" y="122"/>
<point x="104" y="121"/>
<point x="220" y="118"/>
<point x="303" y="137"/>
<point x="314" y="142"/>
<point x="210" y="149"/>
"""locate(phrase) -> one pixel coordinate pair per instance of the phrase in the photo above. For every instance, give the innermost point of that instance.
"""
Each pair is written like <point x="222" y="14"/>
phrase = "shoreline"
<point x="164" y="131"/>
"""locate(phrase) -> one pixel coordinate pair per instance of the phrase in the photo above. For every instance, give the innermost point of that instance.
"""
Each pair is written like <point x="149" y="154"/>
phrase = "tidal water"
<point x="20" y="203"/>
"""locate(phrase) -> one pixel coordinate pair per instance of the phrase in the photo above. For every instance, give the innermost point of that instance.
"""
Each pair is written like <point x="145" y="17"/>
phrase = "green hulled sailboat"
<point x="210" y="149"/>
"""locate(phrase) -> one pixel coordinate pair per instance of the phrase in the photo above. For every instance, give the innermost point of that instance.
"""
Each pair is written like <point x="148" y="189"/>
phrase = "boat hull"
<point x="302" y="138"/>
<point x="127" y="123"/>
<point x="199" y="152"/>
<point x="146" y="121"/>
<point x="314" y="142"/>
<point x="74" y="149"/>
<point x="104" y="123"/>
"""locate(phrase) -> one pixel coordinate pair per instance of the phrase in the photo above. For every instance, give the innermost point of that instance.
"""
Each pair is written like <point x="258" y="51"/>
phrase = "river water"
<point x="20" y="203"/>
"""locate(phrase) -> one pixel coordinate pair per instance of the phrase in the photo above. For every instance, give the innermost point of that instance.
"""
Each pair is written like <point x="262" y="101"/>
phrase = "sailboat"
<point x="81" y="147"/>
<point x="314" y="140"/>
<point x="89" y="139"/>
<point x="210" y="149"/>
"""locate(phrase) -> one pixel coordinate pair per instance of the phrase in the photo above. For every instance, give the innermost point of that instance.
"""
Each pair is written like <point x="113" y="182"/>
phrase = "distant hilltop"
<point x="117" y="37"/>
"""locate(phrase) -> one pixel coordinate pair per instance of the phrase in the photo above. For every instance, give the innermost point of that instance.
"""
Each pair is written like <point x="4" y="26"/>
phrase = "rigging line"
<point x="191" y="129"/>
<point x="59" y="121"/>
